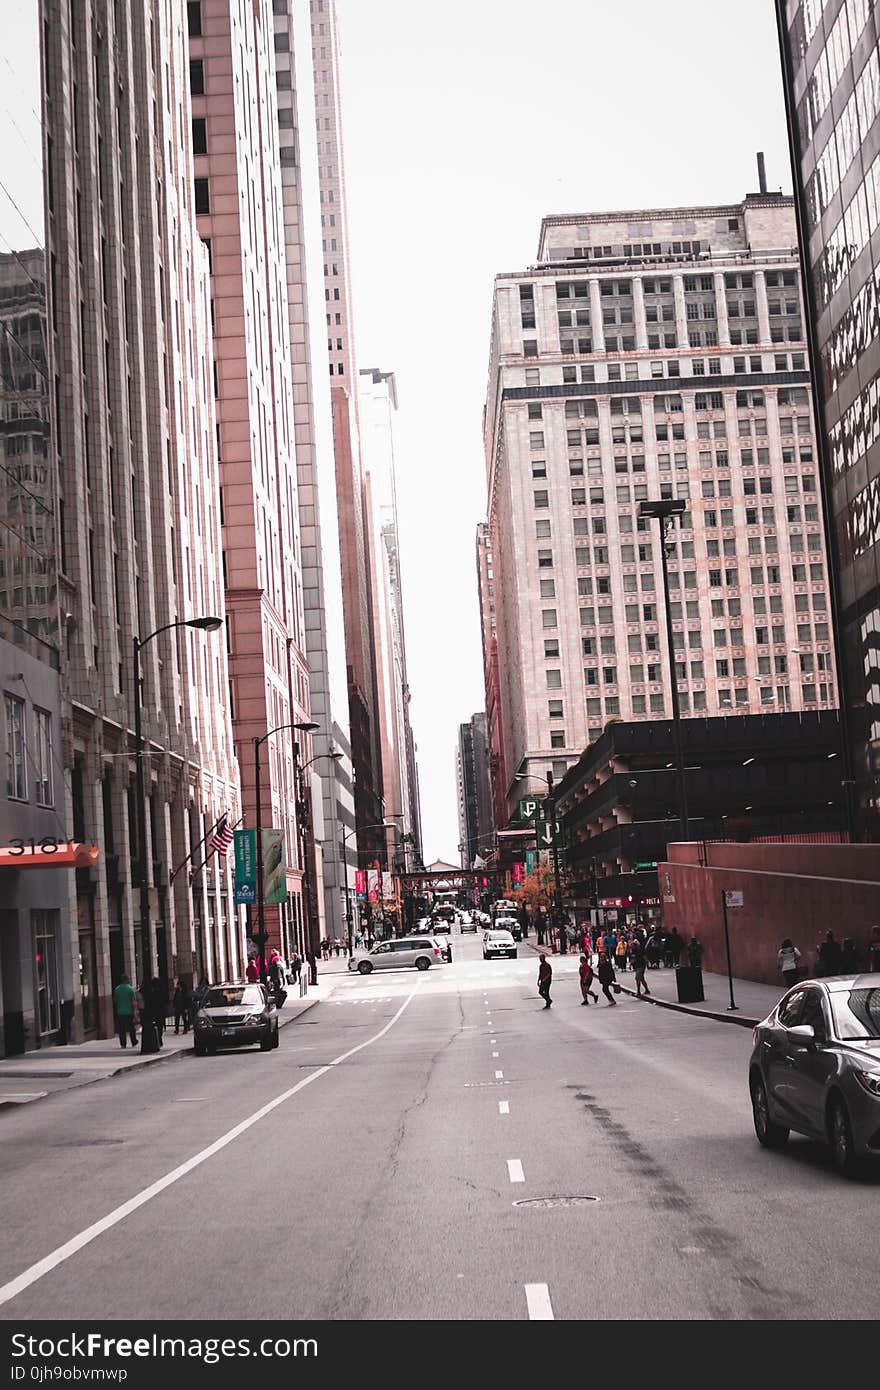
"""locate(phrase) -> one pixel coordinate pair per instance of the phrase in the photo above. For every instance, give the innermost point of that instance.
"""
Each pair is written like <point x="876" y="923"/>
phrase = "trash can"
<point x="689" y="982"/>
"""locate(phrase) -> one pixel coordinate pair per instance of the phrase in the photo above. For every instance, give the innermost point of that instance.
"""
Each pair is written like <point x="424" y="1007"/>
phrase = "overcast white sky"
<point x="466" y="122"/>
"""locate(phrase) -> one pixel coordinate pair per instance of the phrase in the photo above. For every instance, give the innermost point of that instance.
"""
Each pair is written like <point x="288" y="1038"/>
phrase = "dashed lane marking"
<point x="539" y="1305"/>
<point x="515" y="1170"/>
<point x="504" y="1107"/>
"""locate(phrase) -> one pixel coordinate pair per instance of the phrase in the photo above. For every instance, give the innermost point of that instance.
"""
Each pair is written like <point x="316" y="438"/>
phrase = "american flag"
<point x="223" y="837"/>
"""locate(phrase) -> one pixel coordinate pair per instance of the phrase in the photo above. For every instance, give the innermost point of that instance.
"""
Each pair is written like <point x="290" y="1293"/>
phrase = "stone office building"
<point x="652" y="354"/>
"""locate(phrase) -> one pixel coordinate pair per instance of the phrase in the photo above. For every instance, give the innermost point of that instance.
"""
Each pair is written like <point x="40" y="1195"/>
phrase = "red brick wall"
<point x="801" y="891"/>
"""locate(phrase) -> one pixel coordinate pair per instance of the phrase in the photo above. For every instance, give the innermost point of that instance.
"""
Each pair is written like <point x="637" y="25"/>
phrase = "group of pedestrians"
<point x="833" y="957"/>
<point x="336" y="946"/>
<point x="605" y="946"/>
<point x="148" y="1007"/>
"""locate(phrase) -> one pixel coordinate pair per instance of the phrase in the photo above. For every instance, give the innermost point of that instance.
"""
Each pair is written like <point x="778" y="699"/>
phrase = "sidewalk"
<point x="753" y="1001"/>
<point x="34" y="1075"/>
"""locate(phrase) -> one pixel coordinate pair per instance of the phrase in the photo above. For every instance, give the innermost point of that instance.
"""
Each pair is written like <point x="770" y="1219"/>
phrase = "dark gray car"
<point x="815" y="1068"/>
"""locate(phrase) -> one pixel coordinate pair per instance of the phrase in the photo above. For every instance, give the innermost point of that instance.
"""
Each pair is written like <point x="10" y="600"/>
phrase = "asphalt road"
<point x="433" y="1154"/>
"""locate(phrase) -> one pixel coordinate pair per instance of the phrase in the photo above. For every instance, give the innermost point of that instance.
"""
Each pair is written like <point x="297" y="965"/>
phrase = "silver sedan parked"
<point x="815" y="1068"/>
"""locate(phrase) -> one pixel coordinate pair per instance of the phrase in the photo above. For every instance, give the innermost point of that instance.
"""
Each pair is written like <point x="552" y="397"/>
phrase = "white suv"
<point x="498" y="943"/>
<point x="420" y="951"/>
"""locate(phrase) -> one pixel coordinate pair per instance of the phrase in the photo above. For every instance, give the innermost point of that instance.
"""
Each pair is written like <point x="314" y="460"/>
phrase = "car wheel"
<point x="266" y="1044"/>
<point x="771" y="1136"/>
<point x="843" y="1152"/>
<point x="199" y="1047"/>
<point x="276" y="1038"/>
<point x="422" y="964"/>
<point x="365" y="967"/>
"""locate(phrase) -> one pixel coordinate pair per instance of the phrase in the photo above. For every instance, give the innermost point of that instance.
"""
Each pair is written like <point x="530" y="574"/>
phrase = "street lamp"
<point x="664" y="509"/>
<point x="306" y="727"/>
<point x="149" y="1043"/>
<point x="550" y="805"/>
<point x="375" y="825"/>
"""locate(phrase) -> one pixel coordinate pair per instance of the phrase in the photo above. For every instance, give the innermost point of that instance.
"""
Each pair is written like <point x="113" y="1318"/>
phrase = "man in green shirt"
<point x="124" y="1002"/>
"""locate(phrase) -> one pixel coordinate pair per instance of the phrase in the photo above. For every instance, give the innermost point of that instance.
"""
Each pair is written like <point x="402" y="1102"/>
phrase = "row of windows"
<point x="850" y="236"/>
<point x="23" y="756"/>
<point x="603" y="614"/>
<point x="832" y="58"/>
<point x="857" y="328"/>
<point x="845" y="140"/>
<point x="857" y="429"/>
<point x="609" y="707"/>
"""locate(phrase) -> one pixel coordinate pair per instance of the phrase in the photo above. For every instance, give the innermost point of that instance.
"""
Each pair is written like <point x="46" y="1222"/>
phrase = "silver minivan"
<point x="419" y="951"/>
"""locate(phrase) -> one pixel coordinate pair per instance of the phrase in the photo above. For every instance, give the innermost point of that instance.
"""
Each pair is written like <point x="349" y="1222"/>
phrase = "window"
<point x="202" y="196"/>
<point x="197" y="78"/>
<point x="536" y="439"/>
<point x="548" y="617"/>
<point x="199" y="135"/>
<point x="16" y="777"/>
<point x="541" y="499"/>
<point x="551" y="646"/>
<point x="548" y="588"/>
<point x="557" y="738"/>
<point x="545" y="559"/>
<point x="194" y="18"/>
<point x="554" y="679"/>
<point x="43" y="789"/>
<point x="542" y="529"/>
<point x="539" y="468"/>
<point x="554" y="709"/>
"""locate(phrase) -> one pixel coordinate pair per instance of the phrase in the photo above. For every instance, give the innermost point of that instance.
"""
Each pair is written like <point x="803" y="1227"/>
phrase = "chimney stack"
<point x="762" y="177"/>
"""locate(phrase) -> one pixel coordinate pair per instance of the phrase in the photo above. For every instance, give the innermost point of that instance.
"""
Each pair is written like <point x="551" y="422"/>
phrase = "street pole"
<point x="557" y="895"/>
<point x="304" y="812"/>
<point x="348" y="916"/>
<point x="261" y="929"/>
<point x="149" y="1042"/>
<point x="676" y="705"/>
<point x="731" y="1008"/>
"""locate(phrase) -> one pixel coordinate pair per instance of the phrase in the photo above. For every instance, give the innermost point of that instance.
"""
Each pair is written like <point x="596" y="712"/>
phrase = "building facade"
<point x="831" y="71"/>
<point x="473" y="786"/>
<point x="489" y="636"/>
<point x="240" y="210"/>
<point x="355" y="524"/>
<point x="378" y="404"/>
<point x="130" y="454"/>
<point x="329" y="780"/>
<point x="653" y="354"/>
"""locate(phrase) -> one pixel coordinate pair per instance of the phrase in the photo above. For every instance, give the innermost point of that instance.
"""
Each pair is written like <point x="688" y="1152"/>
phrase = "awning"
<point x="48" y="854"/>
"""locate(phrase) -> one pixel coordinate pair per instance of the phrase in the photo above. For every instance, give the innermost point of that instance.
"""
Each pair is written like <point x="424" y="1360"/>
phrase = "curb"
<point x="726" y="1017"/>
<point x="169" y="1056"/>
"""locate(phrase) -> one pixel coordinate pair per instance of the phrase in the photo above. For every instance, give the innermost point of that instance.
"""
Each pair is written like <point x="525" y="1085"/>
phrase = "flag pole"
<point x="199" y="867"/>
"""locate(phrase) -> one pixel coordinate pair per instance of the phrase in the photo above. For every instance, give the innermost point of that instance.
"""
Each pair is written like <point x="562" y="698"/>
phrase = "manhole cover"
<point x="555" y="1201"/>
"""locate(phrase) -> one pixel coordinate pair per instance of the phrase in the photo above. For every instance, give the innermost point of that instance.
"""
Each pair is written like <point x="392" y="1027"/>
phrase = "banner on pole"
<point x="245" y="866"/>
<point x="360" y="885"/>
<point x="274" y="867"/>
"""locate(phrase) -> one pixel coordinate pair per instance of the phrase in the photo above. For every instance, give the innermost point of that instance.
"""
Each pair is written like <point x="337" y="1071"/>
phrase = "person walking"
<point x="124" y="1000"/>
<point x="621" y="952"/>
<point x="337" y="946"/>
<point x="181" y="1006"/>
<point x="252" y="973"/>
<point x="639" y="961"/>
<point x="607" y="977"/>
<point x="545" y="976"/>
<point x="829" y="956"/>
<point x="585" y="971"/>
<point x="849" y="957"/>
<point x="296" y="967"/>
<point x="674" y="945"/>
<point x="788" y="957"/>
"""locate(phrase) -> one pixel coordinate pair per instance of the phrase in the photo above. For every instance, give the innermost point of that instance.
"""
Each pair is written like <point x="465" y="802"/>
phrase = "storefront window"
<point x="45" y="932"/>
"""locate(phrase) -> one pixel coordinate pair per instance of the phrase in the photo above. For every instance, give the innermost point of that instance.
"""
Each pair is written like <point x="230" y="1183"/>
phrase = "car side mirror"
<point x="803" y="1033"/>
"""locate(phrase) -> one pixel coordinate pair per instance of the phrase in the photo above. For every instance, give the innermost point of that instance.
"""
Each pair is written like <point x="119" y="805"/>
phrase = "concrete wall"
<point x="796" y="890"/>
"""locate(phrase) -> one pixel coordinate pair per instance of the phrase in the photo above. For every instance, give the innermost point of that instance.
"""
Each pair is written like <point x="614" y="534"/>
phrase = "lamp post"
<point x="664" y="510"/>
<point x="306" y="727"/>
<point x="304" y="810"/>
<point x="346" y="834"/>
<point x="148" y="1041"/>
<point x="550" y="809"/>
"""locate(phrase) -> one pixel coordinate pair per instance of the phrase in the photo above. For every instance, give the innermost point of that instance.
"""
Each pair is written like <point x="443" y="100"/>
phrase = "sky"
<point x="464" y="124"/>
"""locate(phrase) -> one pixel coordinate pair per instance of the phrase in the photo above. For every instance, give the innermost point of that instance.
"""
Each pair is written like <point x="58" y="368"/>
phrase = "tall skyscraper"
<point x="476" y="839"/>
<point x="378" y="404"/>
<point x="491" y="676"/>
<point x="121" y="408"/>
<point x="330" y="781"/>
<point x="831" y="70"/>
<point x="238" y="200"/>
<point x="355" y="540"/>
<point x="653" y="353"/>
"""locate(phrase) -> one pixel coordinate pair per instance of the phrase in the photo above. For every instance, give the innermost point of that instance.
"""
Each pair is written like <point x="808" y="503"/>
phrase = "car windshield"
<point x="234" y="997"/>
<point x="856" y="1013"/>
<point x="499" y="935"/>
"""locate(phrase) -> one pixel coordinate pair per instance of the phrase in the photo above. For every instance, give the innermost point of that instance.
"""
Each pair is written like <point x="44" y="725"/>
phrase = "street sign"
<point x="245" y="865"/>
<point x="531" y="857"/>
<point x="531" y="809"/>
<point x="646" y="864"/>
<point x="733" y="897"/>
<point x="544" y="833"/>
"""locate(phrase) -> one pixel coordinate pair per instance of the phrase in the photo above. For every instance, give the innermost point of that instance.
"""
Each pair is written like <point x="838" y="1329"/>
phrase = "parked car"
<point x="469" y="922"/>
<point x="498" y="943"/>
<point x="233" y="1014"/>
<point x="419" y="951"/>
<point x="442" y="917"/>
<point x="815" y="1068"/>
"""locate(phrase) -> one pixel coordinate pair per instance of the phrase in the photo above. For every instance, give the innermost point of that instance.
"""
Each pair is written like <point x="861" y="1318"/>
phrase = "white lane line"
<point x="72" y="1247"/>
<point x="493" y="1041"/>
<point x="495" y="1054"/>
<point x="504" y="1107"/>
<point x="499" y="1076"/>
<point x="515" y="1170"/>
<point x="538" y="1299"/>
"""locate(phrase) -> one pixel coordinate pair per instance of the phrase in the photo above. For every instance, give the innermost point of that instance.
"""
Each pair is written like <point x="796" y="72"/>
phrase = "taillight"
<point x="436" y="950"/>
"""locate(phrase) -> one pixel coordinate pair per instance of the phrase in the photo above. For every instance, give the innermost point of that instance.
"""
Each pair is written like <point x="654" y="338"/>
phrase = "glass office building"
<point x="831" y="68"/>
